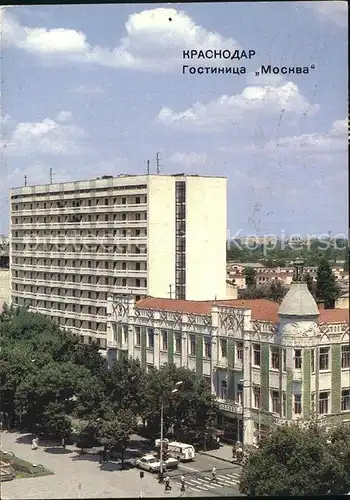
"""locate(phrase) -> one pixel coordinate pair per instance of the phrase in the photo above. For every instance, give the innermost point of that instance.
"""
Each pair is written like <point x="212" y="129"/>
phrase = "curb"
<point x="205" y="453"/>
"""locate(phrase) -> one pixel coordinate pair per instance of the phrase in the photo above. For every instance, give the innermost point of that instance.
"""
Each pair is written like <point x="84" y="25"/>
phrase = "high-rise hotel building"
<point x="72" y="244"/>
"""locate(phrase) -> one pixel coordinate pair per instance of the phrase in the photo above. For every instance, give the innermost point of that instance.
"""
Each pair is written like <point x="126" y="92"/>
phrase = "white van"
<point x="181" y="451"/>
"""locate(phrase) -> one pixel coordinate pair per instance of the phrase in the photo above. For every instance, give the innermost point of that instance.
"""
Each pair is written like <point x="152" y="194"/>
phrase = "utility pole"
<point x="158" y="163"/>
<point x="147" y="167"/>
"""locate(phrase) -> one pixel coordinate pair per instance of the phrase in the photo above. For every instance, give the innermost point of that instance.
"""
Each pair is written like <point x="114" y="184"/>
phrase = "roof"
<point x="334" y="316"/>
<point x="262" y="309"/>
<point x="298" y="301"/>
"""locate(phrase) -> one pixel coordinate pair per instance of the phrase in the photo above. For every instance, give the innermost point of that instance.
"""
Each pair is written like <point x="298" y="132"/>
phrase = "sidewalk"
<point x="224" y="453"/>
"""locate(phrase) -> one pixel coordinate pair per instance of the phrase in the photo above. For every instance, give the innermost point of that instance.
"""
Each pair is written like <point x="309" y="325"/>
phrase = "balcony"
<point x="82" y="255"/>
<point x="140" y="207"/>
<point x="82" y="270"/>
<point x="96" y="239"/>
<point x="79" y="225"/>
<point x="70" y="314"/>
<point x="229" y="406"/>
<point x="80" y="286"/>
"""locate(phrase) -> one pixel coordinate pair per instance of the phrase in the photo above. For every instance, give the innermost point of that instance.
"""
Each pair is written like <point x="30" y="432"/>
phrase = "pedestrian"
<point x="63" y="443"/>
<point x="167" y="483"/>
<point x="182" y="479"/>
<point x="218" y="442"/>
<point x="34" y="443"/>
<point x="213" y="473"/>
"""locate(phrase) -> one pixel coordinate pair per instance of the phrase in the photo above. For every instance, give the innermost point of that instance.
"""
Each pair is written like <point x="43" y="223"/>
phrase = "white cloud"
<point x="188" y="160"/>
<point x="64" y="116"/>
<point x="46" y="137"/>
<point x="267" y="101"/>
<point x="334" y="11"/>
<point x="313" y="144"/>
<point x="152" y="41"/>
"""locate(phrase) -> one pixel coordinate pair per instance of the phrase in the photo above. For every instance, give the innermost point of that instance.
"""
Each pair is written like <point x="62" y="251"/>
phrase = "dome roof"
<point x="298" y="302"/>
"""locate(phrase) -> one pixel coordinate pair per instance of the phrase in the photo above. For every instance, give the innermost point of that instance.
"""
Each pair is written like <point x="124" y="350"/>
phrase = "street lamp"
<point x="174" y="391"/>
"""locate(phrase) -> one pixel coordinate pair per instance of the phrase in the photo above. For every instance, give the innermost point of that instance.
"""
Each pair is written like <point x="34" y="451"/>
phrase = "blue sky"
<point x="99" y="89"/>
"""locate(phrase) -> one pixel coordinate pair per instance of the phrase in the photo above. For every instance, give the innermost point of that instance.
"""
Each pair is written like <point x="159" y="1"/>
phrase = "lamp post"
<point x="161" y="463"/>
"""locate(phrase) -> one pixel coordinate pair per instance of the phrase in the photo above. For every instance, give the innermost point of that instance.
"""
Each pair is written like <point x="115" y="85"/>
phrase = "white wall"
<point x="206" y="226"/>
<point x="4" y="286"/>
<point x="161" y="236"/>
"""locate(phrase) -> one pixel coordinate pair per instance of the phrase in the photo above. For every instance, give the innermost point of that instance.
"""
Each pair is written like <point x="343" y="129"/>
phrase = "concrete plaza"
<point x="75" y="476"/>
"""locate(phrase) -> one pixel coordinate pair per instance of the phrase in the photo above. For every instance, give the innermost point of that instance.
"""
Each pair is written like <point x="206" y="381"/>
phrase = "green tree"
<point x="56" y="424"/>
<point x="125" y="385"/>
<point x="327" y="290"/>
<point x="276" y="291"/>
<point x="115" y="433"/>
<point x="310" y="283"/>
<point x="297" y="460"/>
<point x="191" y="411"/>
<point x="250" y="276"/>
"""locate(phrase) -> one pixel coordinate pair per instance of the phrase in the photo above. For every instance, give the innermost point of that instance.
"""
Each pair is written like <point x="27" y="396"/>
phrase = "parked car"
<point x="152" y="464"/>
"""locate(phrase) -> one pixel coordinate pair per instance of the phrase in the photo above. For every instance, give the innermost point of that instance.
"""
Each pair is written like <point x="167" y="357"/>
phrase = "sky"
<point x="91" y="90"/>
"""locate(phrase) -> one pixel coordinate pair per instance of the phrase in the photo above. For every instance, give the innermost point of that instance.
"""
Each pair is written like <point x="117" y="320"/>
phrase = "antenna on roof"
<point x="147" y="167"/>
<point x="158" y="163"/>
<point x="25" y="180"/>
<point x="50" y="175"/>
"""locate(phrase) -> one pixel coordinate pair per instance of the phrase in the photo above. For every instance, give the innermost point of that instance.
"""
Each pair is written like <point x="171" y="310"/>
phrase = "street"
<point x="198" y="477"/>
<point x="82" y="476"/>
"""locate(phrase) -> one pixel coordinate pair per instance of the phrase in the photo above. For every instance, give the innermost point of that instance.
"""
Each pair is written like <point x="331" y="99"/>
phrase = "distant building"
<point x="73" y="243"/>
<point x="266" y="364"/>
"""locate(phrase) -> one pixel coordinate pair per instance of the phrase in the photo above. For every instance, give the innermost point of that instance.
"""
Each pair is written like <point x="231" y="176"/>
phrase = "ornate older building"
<point x="266" y="363"/>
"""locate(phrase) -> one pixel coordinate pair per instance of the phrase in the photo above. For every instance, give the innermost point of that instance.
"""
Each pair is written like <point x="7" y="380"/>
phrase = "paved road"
<point x="82" y="476"/>
<point x="198" y="477"/>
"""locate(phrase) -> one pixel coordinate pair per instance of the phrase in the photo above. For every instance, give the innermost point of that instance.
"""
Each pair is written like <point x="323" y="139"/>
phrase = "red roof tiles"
<point x="262" y="309"/>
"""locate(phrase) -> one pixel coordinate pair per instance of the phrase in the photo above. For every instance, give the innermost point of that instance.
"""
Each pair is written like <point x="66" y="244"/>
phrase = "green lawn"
<point x="23" y="468"/>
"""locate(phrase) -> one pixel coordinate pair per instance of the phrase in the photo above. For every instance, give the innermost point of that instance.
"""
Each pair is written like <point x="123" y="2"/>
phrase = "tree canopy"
<point x="327" y="289"/>
<point x="48" y="380"/>
<point x="299" y="460"/>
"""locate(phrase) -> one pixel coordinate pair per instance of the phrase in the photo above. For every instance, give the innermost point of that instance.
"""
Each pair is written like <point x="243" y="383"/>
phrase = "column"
<point x="156" y="348"/>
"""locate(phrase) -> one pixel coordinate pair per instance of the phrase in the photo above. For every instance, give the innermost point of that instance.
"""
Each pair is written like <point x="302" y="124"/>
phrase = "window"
<point x="137" y="335"/>
<point x="207" y="348"/>
<point x="178" y="343"/>
<point x="312" y="360"/>
<point x="275" y="358"/>
<point x="345" y="356"/>
<point x="150" y="338"/>
<point x="275" y="402"/>
<point x="223" y="390"/>
<point x="240" y="394"/>
<point x="164" y="336"/>
<point x="137" y="282"/>
<point x="345" y="400"/>
<point x="256" y="355"/>
<point x="284" y="404"/>
<point x="192" y="345"/>
<point x="239" y="351"/>
<point x="125" y="334"/>
<point x="223" y="348"/>
<point x="137" y="200"/>
<point x="256" y="397"/>
<point x="297" y="359"/>
<point x="284" y="360"/>
<point x="324" y="358"/>
<point x="323" y="403"/>
<point x="297" y="404"/>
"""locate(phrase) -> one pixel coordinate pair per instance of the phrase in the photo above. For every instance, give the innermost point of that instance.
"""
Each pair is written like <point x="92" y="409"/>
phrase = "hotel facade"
<point x="267" y="364"/>
<point x="72" y="244"/>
